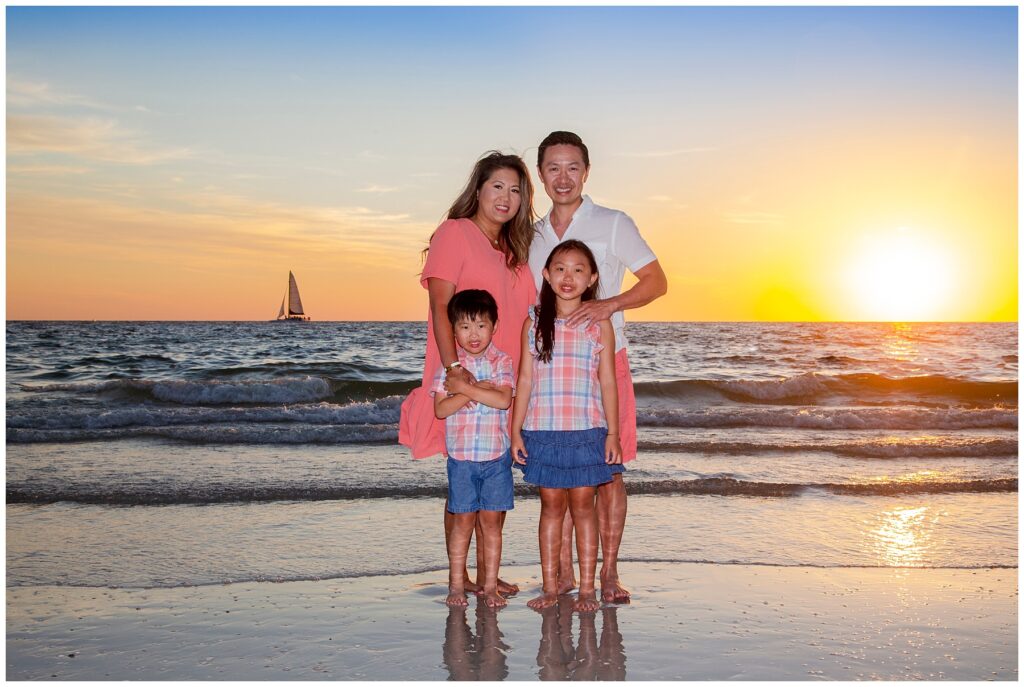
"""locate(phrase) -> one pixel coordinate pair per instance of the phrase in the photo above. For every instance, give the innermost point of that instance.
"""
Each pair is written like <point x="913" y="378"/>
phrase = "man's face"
<point x="563" y="174"/>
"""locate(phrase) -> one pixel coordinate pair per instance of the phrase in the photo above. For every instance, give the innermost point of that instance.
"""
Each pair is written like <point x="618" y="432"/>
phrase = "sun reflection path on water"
<point x="902" y="535"/>
<point x="898" y="343"/>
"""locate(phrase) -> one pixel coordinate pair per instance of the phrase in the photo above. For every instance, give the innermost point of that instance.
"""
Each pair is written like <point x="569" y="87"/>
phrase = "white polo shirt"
<point x="613" y="238"/>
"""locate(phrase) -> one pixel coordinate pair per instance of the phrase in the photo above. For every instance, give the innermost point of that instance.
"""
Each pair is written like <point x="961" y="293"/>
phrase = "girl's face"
<point x="498" y="199"/>
<point x="569" y="274"/>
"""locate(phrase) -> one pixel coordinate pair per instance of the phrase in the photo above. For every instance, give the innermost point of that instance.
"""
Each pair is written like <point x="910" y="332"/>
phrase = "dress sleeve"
<point x="531" y="334"/>
<point x="593" y="332"/>
<point x="446" y="255"/>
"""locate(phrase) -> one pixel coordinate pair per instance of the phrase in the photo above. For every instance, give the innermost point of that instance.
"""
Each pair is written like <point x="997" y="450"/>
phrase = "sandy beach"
<point x="688" y="622"/>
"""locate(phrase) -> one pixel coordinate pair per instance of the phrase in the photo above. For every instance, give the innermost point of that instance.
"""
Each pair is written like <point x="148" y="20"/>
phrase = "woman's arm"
<point x="609" y="392"/>
<point x="522" y="400"/>
<point x="440" y="292"/>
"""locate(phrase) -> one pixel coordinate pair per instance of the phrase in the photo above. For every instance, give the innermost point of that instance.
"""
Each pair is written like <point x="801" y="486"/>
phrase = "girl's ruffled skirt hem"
<point x="566" y="459"/>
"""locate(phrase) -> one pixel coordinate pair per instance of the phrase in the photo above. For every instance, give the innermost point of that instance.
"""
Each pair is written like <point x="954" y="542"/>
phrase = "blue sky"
<point x="700" y="120"/>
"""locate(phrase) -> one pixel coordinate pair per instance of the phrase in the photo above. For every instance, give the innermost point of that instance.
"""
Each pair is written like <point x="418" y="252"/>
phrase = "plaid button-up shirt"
<point x="566" y="393"/>
<point x="478" y="433"/>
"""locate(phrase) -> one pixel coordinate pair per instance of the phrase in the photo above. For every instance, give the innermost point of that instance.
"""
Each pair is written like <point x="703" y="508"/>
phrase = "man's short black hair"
<point x="470" y="304"/>
<point x="558" y="138"/>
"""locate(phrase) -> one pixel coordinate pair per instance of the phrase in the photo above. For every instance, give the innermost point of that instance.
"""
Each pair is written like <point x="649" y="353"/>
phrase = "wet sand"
<point x="687" y="622"/>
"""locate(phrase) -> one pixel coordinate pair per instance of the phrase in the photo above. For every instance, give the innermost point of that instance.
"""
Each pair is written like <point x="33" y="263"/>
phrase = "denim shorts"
<point x="475" y="486"/>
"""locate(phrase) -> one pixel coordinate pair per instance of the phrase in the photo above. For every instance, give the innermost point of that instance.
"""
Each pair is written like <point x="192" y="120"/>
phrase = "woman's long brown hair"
<point x="516" y="234"/>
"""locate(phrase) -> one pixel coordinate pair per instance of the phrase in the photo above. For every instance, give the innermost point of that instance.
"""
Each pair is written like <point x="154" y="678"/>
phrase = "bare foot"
<point x="613" y="592"/>
<point x="587" y="601"/>
<point x="545" y="600"/>
<point x="503" y="588"/>
<point x="566" y="584"/>
<point x="456" y="598"/>
<point x="492" y="599"/>
<point x="507" y="587"/>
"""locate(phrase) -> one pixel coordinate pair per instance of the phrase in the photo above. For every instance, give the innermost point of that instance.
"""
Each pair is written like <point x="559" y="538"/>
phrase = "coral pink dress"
<point x="461" y="254"/>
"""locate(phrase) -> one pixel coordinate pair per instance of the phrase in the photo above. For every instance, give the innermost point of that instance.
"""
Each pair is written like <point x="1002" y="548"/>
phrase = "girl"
<point x="566" y="401"/>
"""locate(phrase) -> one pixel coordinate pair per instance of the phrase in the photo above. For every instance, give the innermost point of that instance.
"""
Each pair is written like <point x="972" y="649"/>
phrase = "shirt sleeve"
<point x="503" y="375"/>
<point x="446" y="255"/>
<point x="629" y="246"/>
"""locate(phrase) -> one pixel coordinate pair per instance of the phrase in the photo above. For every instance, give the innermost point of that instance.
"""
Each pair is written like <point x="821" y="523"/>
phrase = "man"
<point x="563" y="162"/>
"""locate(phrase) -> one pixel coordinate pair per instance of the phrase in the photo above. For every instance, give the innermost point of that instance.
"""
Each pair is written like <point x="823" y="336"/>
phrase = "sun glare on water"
<point x="900" y="277"/>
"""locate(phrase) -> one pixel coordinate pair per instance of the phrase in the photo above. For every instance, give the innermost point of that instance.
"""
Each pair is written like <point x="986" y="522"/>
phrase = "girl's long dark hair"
<point x="544" y="341"/>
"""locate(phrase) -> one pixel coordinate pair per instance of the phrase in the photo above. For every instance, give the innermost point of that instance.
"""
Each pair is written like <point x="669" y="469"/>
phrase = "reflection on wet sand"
<point x="474" y="657"/>
<point x="482" y="654"/>
<point x="589" y="660"/>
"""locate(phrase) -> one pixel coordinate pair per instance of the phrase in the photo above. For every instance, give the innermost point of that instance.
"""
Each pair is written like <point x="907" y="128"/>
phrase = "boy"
<point x="477" y="442"/>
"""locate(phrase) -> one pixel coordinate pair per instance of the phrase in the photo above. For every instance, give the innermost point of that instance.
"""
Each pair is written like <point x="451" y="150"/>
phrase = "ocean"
<point x="159" y="454"/>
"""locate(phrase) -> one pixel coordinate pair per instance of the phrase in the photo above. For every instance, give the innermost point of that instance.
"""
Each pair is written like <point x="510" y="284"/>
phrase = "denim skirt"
<point x="566" y="459"/>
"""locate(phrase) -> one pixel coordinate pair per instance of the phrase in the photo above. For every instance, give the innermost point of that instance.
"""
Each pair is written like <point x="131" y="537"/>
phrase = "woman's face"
<point x="498" y="199"/>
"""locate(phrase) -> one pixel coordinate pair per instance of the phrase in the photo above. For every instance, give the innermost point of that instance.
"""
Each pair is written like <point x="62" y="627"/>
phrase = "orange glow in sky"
<point x="856" y="164"/>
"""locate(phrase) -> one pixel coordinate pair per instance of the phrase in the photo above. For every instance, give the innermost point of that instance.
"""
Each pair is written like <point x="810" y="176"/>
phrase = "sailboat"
<point x="291" y="304"/>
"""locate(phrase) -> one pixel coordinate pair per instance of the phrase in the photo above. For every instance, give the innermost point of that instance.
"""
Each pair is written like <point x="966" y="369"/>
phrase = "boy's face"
<point x="474" y="333"/>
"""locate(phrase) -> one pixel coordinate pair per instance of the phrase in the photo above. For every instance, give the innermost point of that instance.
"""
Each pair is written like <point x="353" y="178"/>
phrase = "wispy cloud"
<point x="24" y="93"/>
<point x="91" y="138"/>
<point x="374" y="188"/>
<point x="196" y="228"/>
<point x="46" y="170"/>
<point x="666" y="153"/>
<point x="747" y="217"/>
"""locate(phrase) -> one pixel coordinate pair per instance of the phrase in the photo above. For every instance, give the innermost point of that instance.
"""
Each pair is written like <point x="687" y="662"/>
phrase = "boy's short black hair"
<point x="472" y="303"/>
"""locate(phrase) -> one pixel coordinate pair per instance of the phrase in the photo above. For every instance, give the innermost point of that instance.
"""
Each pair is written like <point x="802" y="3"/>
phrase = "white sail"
<point x="280" y="313"/>
<point x="294" y="302"/>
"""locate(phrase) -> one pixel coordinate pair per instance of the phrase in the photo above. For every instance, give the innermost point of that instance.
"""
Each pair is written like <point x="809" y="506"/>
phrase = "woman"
<point x="484" y="244"/>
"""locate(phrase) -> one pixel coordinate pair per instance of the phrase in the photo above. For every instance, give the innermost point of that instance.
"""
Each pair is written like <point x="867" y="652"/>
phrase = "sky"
<point x="790" y="163"/>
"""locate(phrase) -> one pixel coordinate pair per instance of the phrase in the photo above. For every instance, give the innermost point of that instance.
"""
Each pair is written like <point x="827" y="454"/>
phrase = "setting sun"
<point x="900" y="276"/>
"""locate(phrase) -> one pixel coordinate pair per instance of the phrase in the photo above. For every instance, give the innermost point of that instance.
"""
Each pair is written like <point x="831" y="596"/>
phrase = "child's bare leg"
<point x="584" y="516"/>
<point x="449" y="520"/>
<point x="566" y="571"/>
<point x="611" y="519"/>
<point x="481" y="565"/>
<point x="489" y="533"/>
<point x="458" y="550"/>
<point x="552" y="511"/>
<point x="504" y="587"/>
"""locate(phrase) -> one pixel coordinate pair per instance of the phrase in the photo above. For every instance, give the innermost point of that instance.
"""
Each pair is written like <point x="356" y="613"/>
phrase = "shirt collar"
<point x="488" y="354"/>
<point x="582" y="211"/>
